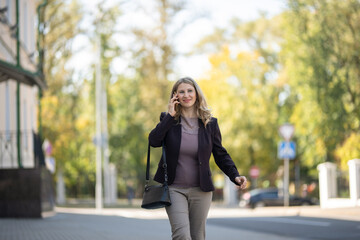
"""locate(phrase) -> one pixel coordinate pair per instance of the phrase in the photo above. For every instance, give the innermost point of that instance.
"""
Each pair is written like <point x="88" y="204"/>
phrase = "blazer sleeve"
<point x="221" y="156"/>
<point x="158" y="134"/>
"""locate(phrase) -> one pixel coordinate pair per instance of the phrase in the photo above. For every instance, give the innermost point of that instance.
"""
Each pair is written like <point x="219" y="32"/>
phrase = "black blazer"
<point x="169" y="130"/>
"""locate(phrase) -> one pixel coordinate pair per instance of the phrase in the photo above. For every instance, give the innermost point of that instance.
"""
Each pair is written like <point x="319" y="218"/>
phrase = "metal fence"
<point x="29" y="144"/>
<point x="8" y="149"/>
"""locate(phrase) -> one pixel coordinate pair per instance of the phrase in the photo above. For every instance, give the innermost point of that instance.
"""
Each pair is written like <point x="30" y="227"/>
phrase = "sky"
<point x="218" y="14"/>
<point x="222" y="11"/>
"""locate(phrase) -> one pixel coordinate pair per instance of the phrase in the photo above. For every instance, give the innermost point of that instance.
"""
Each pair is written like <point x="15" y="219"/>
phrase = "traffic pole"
<point x="286" y="182"/>
<point x="286" y="131"/>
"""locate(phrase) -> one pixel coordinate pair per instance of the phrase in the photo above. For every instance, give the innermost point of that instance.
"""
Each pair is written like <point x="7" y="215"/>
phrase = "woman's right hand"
<point x="172" y="104"/>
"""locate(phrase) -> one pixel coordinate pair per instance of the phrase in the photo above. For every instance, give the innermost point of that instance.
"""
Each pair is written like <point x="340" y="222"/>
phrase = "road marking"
<point x="295" y="221"/>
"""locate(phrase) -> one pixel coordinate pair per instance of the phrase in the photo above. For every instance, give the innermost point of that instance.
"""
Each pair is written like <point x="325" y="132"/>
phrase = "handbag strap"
<point x="164" y="165"/>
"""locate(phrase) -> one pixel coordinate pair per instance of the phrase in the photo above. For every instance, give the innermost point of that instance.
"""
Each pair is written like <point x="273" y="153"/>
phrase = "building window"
<point x="25" y="25"/>
<point x="7" y="112"/>
<point x="32" y="37"/>
<point x="25" y="130"/>
<point x="9" y="11"/>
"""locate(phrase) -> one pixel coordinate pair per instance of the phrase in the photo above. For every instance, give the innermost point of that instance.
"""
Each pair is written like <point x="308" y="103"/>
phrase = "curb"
<point x="351" y="214"/>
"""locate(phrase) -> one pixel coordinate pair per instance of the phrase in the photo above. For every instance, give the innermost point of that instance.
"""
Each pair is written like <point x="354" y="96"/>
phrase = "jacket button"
<point x="199" y="163"/>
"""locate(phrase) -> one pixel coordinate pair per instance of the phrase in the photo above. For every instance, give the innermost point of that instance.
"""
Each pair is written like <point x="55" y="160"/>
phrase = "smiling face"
<point x="187" y="95"/>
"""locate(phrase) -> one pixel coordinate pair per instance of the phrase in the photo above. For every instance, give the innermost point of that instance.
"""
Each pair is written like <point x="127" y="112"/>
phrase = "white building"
<point x="20" y="83"/>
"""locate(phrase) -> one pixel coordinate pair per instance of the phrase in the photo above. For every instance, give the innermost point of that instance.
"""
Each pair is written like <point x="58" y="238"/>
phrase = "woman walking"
<point x="190" y="135"/>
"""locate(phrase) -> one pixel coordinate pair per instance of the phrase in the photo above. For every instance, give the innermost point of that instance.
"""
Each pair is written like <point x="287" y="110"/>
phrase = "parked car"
<point x="270" y="197"/>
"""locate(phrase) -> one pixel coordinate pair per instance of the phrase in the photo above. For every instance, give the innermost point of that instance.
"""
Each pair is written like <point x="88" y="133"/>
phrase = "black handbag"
<point x="156" y="196"/>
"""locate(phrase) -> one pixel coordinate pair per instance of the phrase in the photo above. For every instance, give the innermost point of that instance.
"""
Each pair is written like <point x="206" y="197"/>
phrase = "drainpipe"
<point x="40" y="69"/>
<point x="18" y="133"/>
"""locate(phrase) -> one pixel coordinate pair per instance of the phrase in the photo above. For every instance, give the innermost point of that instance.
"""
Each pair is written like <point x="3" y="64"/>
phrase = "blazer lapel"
<point x="177" y="140"/>
<point x="201" y="133"/>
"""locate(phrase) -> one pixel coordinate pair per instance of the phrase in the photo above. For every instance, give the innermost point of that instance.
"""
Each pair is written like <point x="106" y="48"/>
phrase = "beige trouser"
<point x="188" y="213"/>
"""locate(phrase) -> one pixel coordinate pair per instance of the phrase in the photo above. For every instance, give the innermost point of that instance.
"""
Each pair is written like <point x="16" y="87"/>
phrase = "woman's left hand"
<point x="241" y="180"/>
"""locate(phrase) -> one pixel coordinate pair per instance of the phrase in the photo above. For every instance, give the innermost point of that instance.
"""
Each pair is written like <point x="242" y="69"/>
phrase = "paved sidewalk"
<point x="216" y="211"/>
<point x="139" y="224"/>
<point x="352" y="214"/>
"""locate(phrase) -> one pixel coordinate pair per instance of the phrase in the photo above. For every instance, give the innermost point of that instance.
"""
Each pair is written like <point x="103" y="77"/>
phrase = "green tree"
<point x="243" y="91"/>
<point x="137" y="100"/>
<point x="321" y="58"/>
<point x="62" y="116"/>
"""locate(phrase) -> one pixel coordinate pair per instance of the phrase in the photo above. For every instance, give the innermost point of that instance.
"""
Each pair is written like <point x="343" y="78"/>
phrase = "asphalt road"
<point x="137" y="224"/>
<point x="294" y="227"/>
<point x="67" y="226"/>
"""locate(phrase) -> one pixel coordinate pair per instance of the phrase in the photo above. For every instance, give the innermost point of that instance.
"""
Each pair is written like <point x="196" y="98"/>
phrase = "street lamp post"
<point x="99" y="137"/>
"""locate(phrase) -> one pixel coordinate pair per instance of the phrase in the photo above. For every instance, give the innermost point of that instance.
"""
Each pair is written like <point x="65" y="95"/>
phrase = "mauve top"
<point x="187" y="170"/>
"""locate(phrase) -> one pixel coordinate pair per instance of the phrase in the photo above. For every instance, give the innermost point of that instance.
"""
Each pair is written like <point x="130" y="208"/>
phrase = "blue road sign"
<point x="286" y="150"/>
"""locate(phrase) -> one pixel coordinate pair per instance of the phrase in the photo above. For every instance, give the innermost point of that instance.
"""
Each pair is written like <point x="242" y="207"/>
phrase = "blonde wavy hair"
<point x="202" y="110"/>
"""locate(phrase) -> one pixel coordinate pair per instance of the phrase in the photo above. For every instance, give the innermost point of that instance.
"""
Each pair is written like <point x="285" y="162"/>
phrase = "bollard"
<point x="230" y="193"/>
<point x="354" y="181"/>
<point x="327" y="182"/>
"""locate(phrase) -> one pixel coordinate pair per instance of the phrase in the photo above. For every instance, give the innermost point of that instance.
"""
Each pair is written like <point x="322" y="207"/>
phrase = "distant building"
<point x="21" y="83"/>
